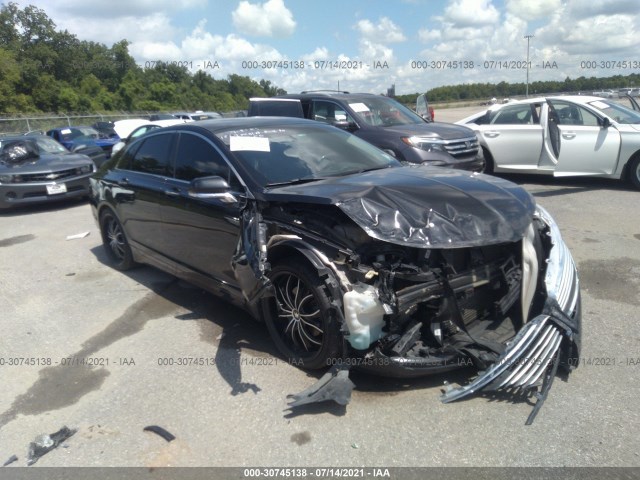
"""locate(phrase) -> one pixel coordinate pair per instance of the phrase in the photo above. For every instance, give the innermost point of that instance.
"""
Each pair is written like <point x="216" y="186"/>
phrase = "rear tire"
<point x="300" y="320"/>
<point x="115" y="241"/>
<point x="488" y="162"/>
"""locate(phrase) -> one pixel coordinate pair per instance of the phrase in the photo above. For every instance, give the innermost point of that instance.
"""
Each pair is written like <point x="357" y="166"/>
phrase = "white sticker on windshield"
<point x="359" y="107"/>
<point x="599" y="104"/>
<point x="255" y="144"/>
<point x="64" y="131"/>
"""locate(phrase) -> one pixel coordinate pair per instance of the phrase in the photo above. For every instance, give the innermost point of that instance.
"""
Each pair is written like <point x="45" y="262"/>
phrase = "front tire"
<point x="300" y="319"/>
<point x="115" y="241"/>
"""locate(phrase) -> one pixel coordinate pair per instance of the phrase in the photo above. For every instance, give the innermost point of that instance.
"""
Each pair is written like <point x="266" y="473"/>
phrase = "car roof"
<point x="215" y="125"/>
<point x="330" y="94"/>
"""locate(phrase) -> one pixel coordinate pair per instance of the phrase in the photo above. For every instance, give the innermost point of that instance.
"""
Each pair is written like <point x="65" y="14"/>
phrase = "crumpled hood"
<point x="423" y="206"/>
<point x="444" y="131"/>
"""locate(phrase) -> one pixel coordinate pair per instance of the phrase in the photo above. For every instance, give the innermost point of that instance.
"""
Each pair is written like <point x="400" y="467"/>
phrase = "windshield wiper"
<point x="294" y="181"/>
<point x="354" y="172"/>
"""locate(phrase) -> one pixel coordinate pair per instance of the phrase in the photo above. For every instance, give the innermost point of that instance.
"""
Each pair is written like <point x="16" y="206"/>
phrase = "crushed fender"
<point x="334" y="385"/>
<point x="160" y="431"/>
<point x="43" y="444"/>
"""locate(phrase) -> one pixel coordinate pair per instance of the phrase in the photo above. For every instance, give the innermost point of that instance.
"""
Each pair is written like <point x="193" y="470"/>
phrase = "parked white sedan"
<point x="560" y="136"/>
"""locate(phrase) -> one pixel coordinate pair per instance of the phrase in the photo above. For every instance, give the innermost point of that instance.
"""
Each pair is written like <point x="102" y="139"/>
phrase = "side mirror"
<point x="211" y="187"/>
<point x="345" y="125"/>
<point x="606" y="123"/>
<point x="80" y="146"/>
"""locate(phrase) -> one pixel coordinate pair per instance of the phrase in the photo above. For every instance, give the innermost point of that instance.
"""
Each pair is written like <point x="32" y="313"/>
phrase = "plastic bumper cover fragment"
<point x="334" y="385"/>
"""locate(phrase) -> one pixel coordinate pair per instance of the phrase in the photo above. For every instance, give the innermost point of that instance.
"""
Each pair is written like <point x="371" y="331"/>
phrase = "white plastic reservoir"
<point x="363" y="313"/>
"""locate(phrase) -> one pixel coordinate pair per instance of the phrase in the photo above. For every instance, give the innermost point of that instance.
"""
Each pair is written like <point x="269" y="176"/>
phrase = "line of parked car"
<point x="40" y="167"/>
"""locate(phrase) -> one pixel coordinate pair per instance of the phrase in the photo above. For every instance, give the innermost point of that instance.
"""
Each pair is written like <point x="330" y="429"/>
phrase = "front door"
<point x="200" y="234"/>
<point x="585" y="147"/>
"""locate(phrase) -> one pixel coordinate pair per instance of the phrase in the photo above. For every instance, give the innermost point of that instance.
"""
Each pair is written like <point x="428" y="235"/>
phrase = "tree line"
<point x="44" y="69"/>
<point x="484" y="91"/>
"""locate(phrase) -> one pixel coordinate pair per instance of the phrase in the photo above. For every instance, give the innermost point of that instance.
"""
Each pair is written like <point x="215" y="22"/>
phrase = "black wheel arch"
<point x="295" y="251"/>
<point x="489" y="164"/>
<point x="628" y="169"/>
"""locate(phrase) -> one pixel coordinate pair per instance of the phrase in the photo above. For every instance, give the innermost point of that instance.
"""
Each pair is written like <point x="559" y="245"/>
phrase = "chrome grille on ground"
<point x="520" y="369"/>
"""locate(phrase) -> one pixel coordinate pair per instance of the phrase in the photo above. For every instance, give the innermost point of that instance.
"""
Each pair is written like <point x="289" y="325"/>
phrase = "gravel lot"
<point x="60" y="301"/>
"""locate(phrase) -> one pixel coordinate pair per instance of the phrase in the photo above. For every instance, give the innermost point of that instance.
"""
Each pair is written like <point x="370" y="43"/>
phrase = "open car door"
<point x="588" y="144"/>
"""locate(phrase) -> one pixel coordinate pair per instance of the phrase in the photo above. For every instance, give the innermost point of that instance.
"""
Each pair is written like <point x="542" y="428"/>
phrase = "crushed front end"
<point x="465" y="271"/>
<point x="511" y="310"/>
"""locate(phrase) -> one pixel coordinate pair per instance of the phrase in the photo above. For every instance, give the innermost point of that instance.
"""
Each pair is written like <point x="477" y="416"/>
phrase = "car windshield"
<point x="37" y="144"/>
<point x="616" y="111"/>
<point x="49" y="145"/>
<point x="73" y="133"/>
<point x="383" y="112"/>
<point x="290" y="154"/>
<point x="89" y="132"/>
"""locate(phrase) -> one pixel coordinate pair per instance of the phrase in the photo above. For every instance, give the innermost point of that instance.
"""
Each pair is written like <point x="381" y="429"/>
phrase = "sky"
<point x="367" y="46"/>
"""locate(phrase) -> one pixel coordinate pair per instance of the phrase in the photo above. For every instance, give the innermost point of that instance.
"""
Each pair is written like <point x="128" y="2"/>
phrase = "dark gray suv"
<point x="390" y="126"/>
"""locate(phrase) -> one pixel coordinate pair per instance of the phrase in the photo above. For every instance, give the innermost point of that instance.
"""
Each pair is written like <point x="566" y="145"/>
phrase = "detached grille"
<point x="464" y="147"/>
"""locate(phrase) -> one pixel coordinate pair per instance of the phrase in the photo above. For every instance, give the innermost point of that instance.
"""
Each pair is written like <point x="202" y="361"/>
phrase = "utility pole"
<point x="528" y="37"/>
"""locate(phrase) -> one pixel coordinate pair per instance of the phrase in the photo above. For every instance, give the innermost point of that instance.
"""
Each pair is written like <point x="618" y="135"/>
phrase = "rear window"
<point x="276" y="108"/>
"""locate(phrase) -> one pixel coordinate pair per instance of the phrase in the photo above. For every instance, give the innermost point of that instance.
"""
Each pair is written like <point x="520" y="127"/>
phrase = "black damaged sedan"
<point x="349" y="257"/>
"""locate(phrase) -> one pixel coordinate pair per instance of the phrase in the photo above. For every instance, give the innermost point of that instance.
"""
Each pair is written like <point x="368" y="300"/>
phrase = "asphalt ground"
<point x="61" y="303"/>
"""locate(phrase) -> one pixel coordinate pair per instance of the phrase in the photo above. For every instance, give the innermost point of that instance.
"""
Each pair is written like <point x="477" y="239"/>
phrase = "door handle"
<point x="568" y="135"/>
<point x="491" y="134"/>
<point x="172" y="192"/>
<point x="123" y="182"/>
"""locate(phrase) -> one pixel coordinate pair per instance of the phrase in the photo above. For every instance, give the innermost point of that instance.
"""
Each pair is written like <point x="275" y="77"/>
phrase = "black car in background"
<point x="383" y="122"/>
<point x="345" y="253"/>
<point x="37" y="169"/>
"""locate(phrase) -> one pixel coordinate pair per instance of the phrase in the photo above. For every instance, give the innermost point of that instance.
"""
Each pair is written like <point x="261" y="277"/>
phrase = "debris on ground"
<point x="43" y="444"/>
<point x="12" y="458"/>
<point x="160" y="431"/>
<point x="334" y="385"/>
<point x="77" y="235"/>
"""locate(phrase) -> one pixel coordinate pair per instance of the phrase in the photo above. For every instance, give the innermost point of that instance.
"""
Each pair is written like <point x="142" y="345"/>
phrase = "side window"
<point x="571" y="114"/>
<point x="329" y="112"/>
<point x="196" y="158"/>
<point x="126" y="156"/>
<point x="153" y="155"/>
<point x="513" y="115"/>
<point x="141" y="131"/>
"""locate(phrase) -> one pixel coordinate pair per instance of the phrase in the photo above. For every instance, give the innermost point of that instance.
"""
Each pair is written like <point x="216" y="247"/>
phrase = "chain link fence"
<point x="21" y="124"/>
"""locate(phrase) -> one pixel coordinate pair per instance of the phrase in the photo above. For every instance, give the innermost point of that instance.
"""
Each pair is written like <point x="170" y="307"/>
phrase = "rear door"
<point x="140" y="183"/>
<point x="585" y="147"/>
<point x="513" y="136"/>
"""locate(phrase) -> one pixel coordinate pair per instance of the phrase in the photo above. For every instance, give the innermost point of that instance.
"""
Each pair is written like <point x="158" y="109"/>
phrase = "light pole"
<point x="528" y="37"/>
